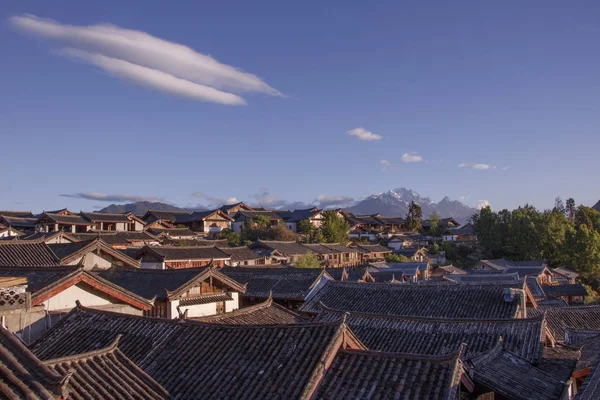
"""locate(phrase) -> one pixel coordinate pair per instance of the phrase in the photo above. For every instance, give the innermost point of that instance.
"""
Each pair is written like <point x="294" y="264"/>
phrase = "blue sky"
<point x="510" y="85"/>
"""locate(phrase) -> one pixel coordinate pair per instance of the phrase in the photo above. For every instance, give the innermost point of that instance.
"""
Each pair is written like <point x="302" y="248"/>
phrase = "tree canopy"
<point x="335" y="227"/>
<point x="569" y="236"/>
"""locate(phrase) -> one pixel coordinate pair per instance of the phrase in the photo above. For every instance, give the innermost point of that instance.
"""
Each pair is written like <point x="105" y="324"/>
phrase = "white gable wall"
<point x="65" y="300"/>
<point x="200" y="310"/>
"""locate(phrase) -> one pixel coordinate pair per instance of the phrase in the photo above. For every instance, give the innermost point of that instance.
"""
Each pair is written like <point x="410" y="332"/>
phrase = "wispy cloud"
<point x="264" y="198"/>
<point x="466" y="197"/>
<point x="154" y="78"/>
<point x="329" y="201"/>
<point x="160" y="63"/>
<point x="482" y="204"/>
<point x="363" y="134"/>
<point x="216" y="201"/>
<point x="479" y="167"/>
<point x="116" y="198"/>
<point x="411" y="157"/>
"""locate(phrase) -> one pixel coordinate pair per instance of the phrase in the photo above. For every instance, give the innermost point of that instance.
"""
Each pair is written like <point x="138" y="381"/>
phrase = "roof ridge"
<point x="111" y="347"/>
<point x="432" y="319"/>
<point x="449" y="357"/>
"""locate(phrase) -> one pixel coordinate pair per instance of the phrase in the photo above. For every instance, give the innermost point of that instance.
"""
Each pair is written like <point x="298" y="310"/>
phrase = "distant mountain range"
<point x="139" y="207"/>
<point x="395" y="202"/>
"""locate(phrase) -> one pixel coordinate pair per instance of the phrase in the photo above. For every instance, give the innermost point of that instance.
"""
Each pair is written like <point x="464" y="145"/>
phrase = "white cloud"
<point x="216" y="201"/>
<point x="482" y="204"/>
<point x="466" y="197"/>
<point x="385" y="162"/>
<point x="504" y="168"/>
<point x="363" y="134"/>
<point x="411" y="157"/>
<point x="145" y="50"/>
<point x="328" y="201"/>
<point x="479" y="167"/>
<point x="117" y="198"/>
<point x="154" y="78"/>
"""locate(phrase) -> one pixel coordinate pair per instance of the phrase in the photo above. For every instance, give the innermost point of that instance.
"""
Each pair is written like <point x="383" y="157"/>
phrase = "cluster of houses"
<point x="99" y="306"/>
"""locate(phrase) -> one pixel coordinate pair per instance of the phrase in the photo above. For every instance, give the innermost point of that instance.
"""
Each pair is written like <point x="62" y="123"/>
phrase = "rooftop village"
<point x="247" y="303"/>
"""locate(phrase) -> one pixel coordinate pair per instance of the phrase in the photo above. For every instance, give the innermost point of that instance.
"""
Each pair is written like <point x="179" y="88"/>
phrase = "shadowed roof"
<point x="436" y="301"/>
<point x="434" y="336"/>
<point x="361" y="374"/>
<point x="198" y="360"/>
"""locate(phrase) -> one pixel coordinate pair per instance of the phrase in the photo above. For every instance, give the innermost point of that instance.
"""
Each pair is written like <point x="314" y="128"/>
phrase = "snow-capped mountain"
<point x="395" y="202"/>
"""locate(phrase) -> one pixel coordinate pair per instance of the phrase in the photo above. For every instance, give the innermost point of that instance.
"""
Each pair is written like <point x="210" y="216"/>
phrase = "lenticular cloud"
<point x="145" y="59"/>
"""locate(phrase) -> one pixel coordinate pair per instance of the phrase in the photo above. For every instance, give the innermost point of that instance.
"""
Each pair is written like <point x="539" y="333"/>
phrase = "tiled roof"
<point x="18" y="222"/>
<point x="26" y="254"/>
<point x="299" y="215"/>
<point x="243" y="215"/>
<point x="23" y="376"/>
<point x="38" y="277"/>
<point x="483" y="278"/>
<point x="437" y="301"/>
<point x="513" y="377"/>
<point x="65" y="219"/>
<point x="373" y="248"/>
<point x="46" y="282"/>
<point x="150" y="283"/>
<point x="524" y="337"/>
<point x="242" y="253"/>
<point x="387" y="266"/>
<point x="205" y="299"/>
<point x="285" y="248"/>
<point x="552" y="303"/>
<point x="590" y="390"/>
<point x="105" y="217"/>
<point x="565" y="272"/>
<point x="109" y="238"/>
<point x="172" y="253"/>
<point x="534" y="287"/>
<point x="69" y="252"/>
<point x="319" y="248"/>
<point x="175" y="232"/>
<point x="338" y="248"/>
<point x="576" y="289"/>
<point x="21" y="214"/>
<point x="106" y="373"/>
<point x="361" y="374"/>
<point x="336" y="273"/>
<point x="63" y="250"/>
<point x="265" y="313"/>
<point x="198" y="360"/>
<point x="282" y="283"/>
<point x="164" y="215"/>
<point x="354" y="275"/>
<point x="392" y="276"/>
<point x="558" y="319"/>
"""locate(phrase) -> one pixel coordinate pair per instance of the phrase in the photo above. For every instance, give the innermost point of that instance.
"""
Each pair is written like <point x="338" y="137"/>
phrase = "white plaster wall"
<point x="93" y="260"/>
<point x="121" y="226"/>
<point x="66" y="299"/>
<point x="231" y="305"/>
<point x="236" y="226"/>
<point x="152" y="265"/>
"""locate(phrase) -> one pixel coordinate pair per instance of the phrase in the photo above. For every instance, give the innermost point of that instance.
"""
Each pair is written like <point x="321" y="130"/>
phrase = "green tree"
<point x="335" y="227"/>
<point x="281" y="232"/>
<point x="592" y="296"/>
<point x="309" y="260"/>
<point x="396" y="258"/>
<point x="231" y="236"/>
<point x="414" y="217"/>
<point x="587" y="216"/>
<point x="570" y="208"/>
<point x="555" y="229"/>
<point x="434" y="224"/>
<point x="583" y="251"/>
<point x="487" y="228"/>
<point x="559" y="205"/>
